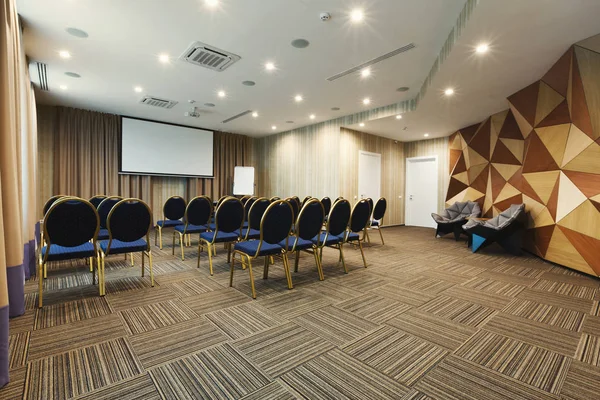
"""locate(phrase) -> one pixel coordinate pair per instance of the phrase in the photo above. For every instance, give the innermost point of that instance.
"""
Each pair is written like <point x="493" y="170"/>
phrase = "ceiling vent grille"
<point x="373" y="61"/>
<point x="237" y="116"/>
<point x="158" y="102"/>
<point x="209" y="57"/>
<point x="42" y="75"/>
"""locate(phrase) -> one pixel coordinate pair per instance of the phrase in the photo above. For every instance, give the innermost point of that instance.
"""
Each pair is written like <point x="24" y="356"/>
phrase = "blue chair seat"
<point x="221" y="237"/>
<point x="102" y="234"/>
<point x="250" y="248"/>
<point x="212" y="226"/>
<point x="331" y="239"/>
<point x="119" y="247"/>
<point x="165" y="223"/>
<point x="351" y="237"/>
<point x="191" y="228"/>
<point x="302" y="244"/>
<point x="374" y="223"/>
<point x="254" y="233"/>
<point x="58" y="253"/>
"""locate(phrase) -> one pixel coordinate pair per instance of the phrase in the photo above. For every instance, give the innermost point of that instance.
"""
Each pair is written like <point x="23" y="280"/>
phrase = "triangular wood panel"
<point x="589" y="184"/>
<point x="481" y="181"/>
<point x="576" y="143"/>
<point x="580" y="114"/>
<point x="534" y="209"/>
<point x="516" y="147"/>
<point x="503" y="155"/>
<point x="588" y="247"/>
<point x="569" y="197"/>
<point x="507" y="191"/>
<point x="542" y="183"/>
<point x="498" y="183"/>
<point x="548" y="99"/>
<point x="455" y="187"/>
<point x="481" y="141"/>
<point x="589" y="70"/>
<point x="498" y="120"/>
<point x="561" y="251"/>
<point x="468" y="132"/>
<point x="474" y="158"/>
<point x="560" y="115"/>
<point x="506" y="170"/>
<point x="584" y="219"/>
<point x="454" y="156"/>
<point x="475" y="171"/>
<point x="506" y="203"/>
<point x="538" y="159"/>
<point x="558" y="76"/>
<point x="587" y="161"/>
<point x="510" y="129"/>
<point x="454" y="141"/>
<point x="542" y="237"/>
<point x="525" y="101"/>
<point x="555" y="139"/>
<point x="460" y="165"/>
<point x="521" y="183"/>
<point x="553" y="200"/>
<point x="463" y="177"/>
<point x="596" y="204"/>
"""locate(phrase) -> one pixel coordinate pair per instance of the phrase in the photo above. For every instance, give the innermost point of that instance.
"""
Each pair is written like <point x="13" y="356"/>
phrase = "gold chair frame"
<point x="181" y="235"/>
<point x="158" y="230"/>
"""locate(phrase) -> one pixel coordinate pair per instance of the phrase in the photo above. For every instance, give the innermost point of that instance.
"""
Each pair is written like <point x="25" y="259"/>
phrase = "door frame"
<point x="437" y="181"/>
<point x="368" y="153"/>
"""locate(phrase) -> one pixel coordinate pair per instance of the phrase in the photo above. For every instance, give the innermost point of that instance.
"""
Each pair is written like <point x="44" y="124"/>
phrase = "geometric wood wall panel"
<point x="544" y="151"/>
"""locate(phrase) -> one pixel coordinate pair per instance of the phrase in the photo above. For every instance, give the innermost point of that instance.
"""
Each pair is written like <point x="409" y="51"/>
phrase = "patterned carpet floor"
<point x="426" y="320"/>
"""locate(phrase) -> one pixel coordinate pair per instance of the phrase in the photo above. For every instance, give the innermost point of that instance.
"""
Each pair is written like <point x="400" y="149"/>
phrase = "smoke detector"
<point x="325" y="16"/>
<point x="193" y="112"/>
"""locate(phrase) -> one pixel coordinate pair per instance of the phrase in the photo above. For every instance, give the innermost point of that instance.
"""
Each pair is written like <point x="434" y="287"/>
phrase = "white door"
<point x="421" y="191"/>
<point x="369" y="175"/>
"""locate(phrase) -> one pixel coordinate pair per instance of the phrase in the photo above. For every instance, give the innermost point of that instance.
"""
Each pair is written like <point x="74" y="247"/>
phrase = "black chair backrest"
<point x="104" y="208"/>
<point x="174" y="208"/>
<point x="275" y="198"/>
<point x="294" y="206"/>
<point x="380" y="208"/>
<point x="370" y="202"/>
<point x="360" y="216"/>
<point x="307" y="198"/>
<point x="310" y="220"/>
<point x="221" y="200"/>
<point x="244" y="199"/>
<point x="338" y="217"/>
<point x="51" y="201"/>
<point x="247" y="206"/>
<point x="230" y="215"/>
<point x="129" y="220"/>
<point x="326" y="202"/>
<point x="198" y="211"/>
<point x="257" y="211"/>
<point x="96" y="200"/>
<point x="276" y="222"/>
<point x="71" y="221"/>
<point x="339" y="198"/>
<point x="297" y="199"/>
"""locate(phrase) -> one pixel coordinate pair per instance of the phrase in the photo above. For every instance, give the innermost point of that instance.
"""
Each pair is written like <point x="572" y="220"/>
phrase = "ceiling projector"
<point x="192" y="113"/>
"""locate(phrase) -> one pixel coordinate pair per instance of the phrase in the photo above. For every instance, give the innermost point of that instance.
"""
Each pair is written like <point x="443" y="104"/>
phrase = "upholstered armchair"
<point x="454" y="217"/>
<point x="506" y="229"/>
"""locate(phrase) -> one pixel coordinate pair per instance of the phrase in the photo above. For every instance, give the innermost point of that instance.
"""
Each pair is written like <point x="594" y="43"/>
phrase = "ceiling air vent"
<point x="209" y="57"/>
<point x="158" y="102"/>
<point x="237" y="116"/>
<point x="42" y="75"/>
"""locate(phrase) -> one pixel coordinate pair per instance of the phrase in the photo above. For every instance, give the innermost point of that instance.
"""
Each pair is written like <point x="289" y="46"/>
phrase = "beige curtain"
<point x="79" y="156"/>
<point x="17" y="176"/>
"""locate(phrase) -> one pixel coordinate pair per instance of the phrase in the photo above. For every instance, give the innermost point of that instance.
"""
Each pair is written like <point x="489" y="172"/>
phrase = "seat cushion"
<point x="301" y="244"/>
<point x="66" y="253"/>
<point x="330" y="239"/>
<point x="191" y="228"/>
<point x="221" y="237"/>
<point x="254" y="234"/>
<point x="249" y="248"/>
<point x="102" y="234"/>
<point x="374" y="223"/>
<point x="351" y="237"/>
<point x="119" y="247"/>
<point x="169" y="222"/>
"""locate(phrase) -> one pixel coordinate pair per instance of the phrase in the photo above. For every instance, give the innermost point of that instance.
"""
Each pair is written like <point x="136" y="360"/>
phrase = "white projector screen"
<point x="155" y="148"/>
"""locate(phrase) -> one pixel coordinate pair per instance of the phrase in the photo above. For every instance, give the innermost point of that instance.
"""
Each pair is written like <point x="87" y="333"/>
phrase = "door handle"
<point x="410" y="196"/>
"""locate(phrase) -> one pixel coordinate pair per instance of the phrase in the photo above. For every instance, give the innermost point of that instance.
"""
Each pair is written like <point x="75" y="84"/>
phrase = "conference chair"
<point x="307" y="198"/>
<point x="247" y="206"/>
<point x="336" y="225"/>
<point x="326" y="202"/>
<point x="275" y="198"/>
<point x="295" y="207"/>
<point x="378" y="213"/>
<point x="229" y="219"/>
<point x="70" y="229"/>
<point x="97" y="199"/>
<point x="195" y="220"/>
<point x="173" y="211"/>
<point x="370" y="202"/>
<point x="255" y="215"/>
<point x="275" y="227"/>
<point x="47" y="206"/>
<point x="359" y="218"/>
<point x="129" y="223"/>
<point x="307" y="226"/>
<point x="103" y="210"/>
<point x="211" y="225"/>
<point x="245" y="198"/>
<point x="297" y="200"/>
<point x="339" y="198"/>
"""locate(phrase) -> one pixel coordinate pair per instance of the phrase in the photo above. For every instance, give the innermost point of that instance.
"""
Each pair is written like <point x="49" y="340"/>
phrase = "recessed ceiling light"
<point x="300" y="43"/>
<point x="449" y="92"/>
<point x="221" y="93"/>
<point x="365" y="72"/>
<point x="361" y="124"/>
<point x="64" y="54"/>
<point x="73" y="74"/>
<point x="273" y="127"/>
<point x="63" y="87"/>
<point x="77" y="33"/>
<point x="426" y="135"/>
<point x="211" y="3"/>
<point x="367" y="101"/>
<point x="248" y="83"/>
<point x="255" y="114"/>
<point x="298" y="98"/>
<point x="398" y="116"/>
<point x="312" y="116"/>
<point x="163" y="58"/>
<point x="269" y="66"/>
<point x="138" y="89"/>
<point x="482" y="48"/>
<point x="357" y="15"/>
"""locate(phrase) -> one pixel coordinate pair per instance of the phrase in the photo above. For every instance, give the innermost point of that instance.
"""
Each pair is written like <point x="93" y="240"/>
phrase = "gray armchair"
<point x="454" y="217"/>
<point x="506" y="229"/>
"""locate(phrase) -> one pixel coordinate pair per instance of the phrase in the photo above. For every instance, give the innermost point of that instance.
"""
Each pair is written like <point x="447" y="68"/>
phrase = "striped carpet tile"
<point x="445" y="333"/>
<point x="137" y="298"/>
<point x="294" y="303"/>
<point x="460" y="311"/>
<point x="535" y="366"/>
<point x="273" y="391"/>
<point x="551" y="315"/>
<point x="536" y="333"/>
<point x="191" y="287"/>
<point x="22" y="323"/>
<point x="592" y="325"/>
<point x="244" y="320"/>
<point x="445" y="276"/>
<point x="174" y="341"/>
<point x="217" y="373"/>
<point x="140" y="387"/>
<point x="61" y="338"/>
<point x="583" y="292"/>
<point x="404" y="295"/>
<point x="461" y="269"/>
<point x="67" y="281"/>
<point x="217" y="300"/>
<point x="589" y="349"/>
<point x="582" y="382"/>
<point x="64" y="313"/>
<point x="361" y="281"/>
<point x="80" y="371"/>
<point x="167" y="267"/>
<point x="429" y="285"/>
<point x="332" y="291"/>
<point x="190" y="273"/>
<point x="13" y="390"/>
<point x="336" y="375"/>
<point x="335" y="325"/>
<point x="477" y="296"/>
<point x="283" y="348"/>
<point x="557" y="300"/>
<point x="595" y="308"/>
<point x="153" y="316"/>
<point x="459" y="379"/>
<point x="373" y="307"/>
<point x="520" y="270"/>
<point x="508" y="278"/>
<point x="18" y="344"/>
<point x="400" y="356"/>
<point x="416" y="395"/>
<point x="125" y="284"/>
<point x="573" y="279"/>
<point x="492" y="286"/>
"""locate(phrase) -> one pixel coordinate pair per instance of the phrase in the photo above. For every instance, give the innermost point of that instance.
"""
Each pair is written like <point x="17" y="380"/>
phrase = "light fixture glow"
<point x="138" y="89"/>
<point x="361" y="124"/>
<point x="482" y="48"/>
<point x="273" y="127"/>
<point x="221" y="93"/>
<point x="357" y="15"/>
<point x="270" y="66"/>
<point x="426" y="135"/>
<point x="64" y="54"/>
<point x="163" y="58"/>
<point x="63" y="87"/>
<point x="365" y="72"/>
<point x="298" y="98"/>
<point x="312" y="116"/>
<point x="367" y="101"/>
<point x="398" y="116"/>
<point x="449" y="92"/>
<point x="211" y="3"/>
<point x="255" y="114"/>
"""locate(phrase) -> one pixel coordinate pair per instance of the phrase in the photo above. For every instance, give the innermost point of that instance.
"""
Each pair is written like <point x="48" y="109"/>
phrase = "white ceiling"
<point x="526" y="38"/>
<point x="125" y="38"/>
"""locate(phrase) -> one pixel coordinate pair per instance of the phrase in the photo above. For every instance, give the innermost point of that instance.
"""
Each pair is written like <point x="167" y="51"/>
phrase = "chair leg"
<point x="210" y="266"/>
<point x="251" y="277"/>
<point x="381" y="235"/>
<point x="318" y="263"/>
<point x="343" y="260"/>
<point x="228" y="253"/>
<point x="233" y="267"/>
<point x="173" y="244"/>
<point x="92" y="269"/>
<point x="368" y="237"/>
<point x="266" y="268"/>
<point x="91" y="266"/>
<point x="286" y="266"/>
<point x="142" y="263"/>
<point x="40" y="282"/>
<point x="131" y="256"/>
<point x="156" y="235"/>
<point x="362" y="253"/>
<point x="151" y="271"/>
<point x="296" y="261"/>
<point x="200" y="248"/>
<point x="160" y="237"/>
<point x="181" y="239"/>
<point x="45" y="271"/>
<point x="101" y="274"/>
